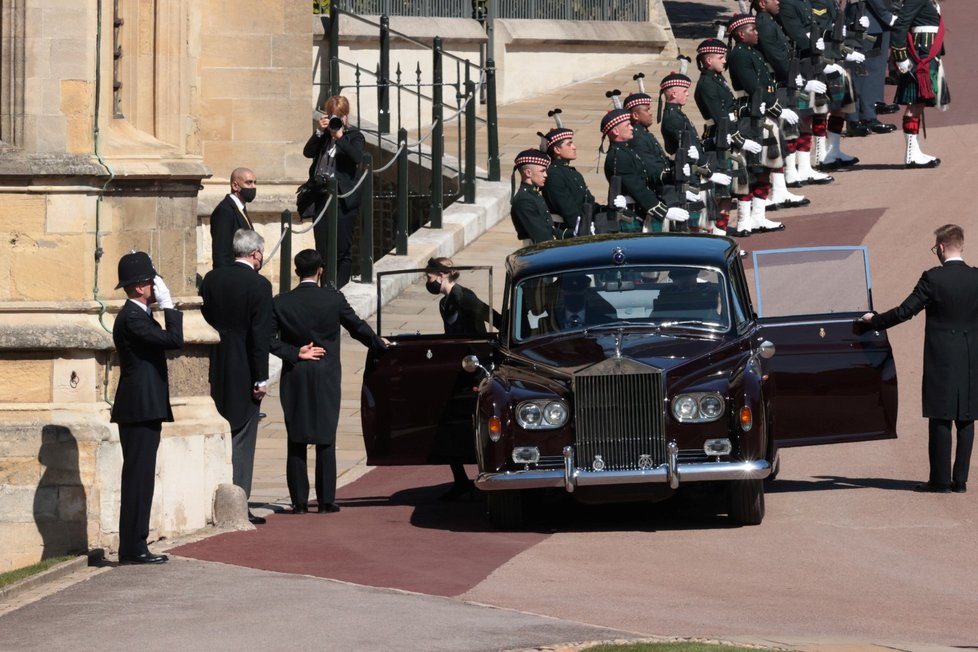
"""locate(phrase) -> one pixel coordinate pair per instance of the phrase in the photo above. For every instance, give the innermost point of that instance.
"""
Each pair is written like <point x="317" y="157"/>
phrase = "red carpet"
<point x="392" y="532"/>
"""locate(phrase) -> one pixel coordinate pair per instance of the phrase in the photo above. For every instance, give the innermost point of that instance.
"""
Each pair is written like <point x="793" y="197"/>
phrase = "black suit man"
<point x="142" y="400"/>
<point x="231" y="215"/>
<point x="306" y="322"/>
<point x="949" y="294"/>
<point x="238" y="305"/>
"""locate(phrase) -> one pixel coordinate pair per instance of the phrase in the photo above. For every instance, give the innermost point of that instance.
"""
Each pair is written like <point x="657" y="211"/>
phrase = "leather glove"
<point x="814" y="86"/>
<point x="789" y="116"/>
<point x="751" y="146"/>
<point x="864" y="22"/>
<point x="692" y="153"/>
<point x="904" y="66"/>
<point x="620" y="202"/>
<point x="855" y="57"/>
<point x="720" y="179"/>
<point x="692" y="196"/>
<point x="162" y="293"/>
<point x="833" y="67"/>
<point x="677" y="214"/>
<point x="820" y="45"/>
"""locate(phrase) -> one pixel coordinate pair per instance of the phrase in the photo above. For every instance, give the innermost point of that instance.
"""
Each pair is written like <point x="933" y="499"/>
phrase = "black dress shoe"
<point x="885" y="107"/>
<point x="959" y="487"/>
<point x="857" y="129"/>
<point x="296" y="509"/>
<point x="328" y="508"/>
<point x="256" y="520"/>
<point x="145" y="558"/>
<point x="838" y="163"/>
<point x="928" y="488"/>
<point x="881" y="127"/>
<point x="457" y="490"/>
<point x="933" y="163"/>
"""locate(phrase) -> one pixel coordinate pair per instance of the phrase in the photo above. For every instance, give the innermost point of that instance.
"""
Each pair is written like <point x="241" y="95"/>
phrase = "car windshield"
<point x="642" y="296"/>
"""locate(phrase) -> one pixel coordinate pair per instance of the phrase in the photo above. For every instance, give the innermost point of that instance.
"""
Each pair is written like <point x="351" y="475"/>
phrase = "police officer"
<point x="529" y="211"/>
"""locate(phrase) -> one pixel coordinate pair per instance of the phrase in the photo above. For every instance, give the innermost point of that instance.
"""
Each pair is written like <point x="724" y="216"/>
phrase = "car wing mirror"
<point x="470" y="363"/>
<point x="766" y="349"/>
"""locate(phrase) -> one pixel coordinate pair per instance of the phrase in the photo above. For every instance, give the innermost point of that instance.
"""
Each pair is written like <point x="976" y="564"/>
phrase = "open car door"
<point x="417" y="403"/>
<point x="833" y="382"/>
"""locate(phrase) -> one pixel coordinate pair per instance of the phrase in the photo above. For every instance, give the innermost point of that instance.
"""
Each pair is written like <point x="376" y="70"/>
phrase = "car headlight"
<point x="698" y="407"/>
<point x="541" y="414"/>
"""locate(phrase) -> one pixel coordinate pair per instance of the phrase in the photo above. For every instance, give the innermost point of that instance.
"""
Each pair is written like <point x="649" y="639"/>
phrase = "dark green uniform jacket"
<point x="566" y="192"/>
<point x="648" y="148"/>
<point x="624" y="162"/>
<point x="530" y="215"/>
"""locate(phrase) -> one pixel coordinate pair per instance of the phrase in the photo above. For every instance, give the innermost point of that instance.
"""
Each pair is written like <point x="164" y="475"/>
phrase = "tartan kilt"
<point x="907" y="91"/>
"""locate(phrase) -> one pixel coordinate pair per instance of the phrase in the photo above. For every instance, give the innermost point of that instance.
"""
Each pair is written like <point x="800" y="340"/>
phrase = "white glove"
<point x="799" y="81"/>
<point x="789" y="116"/>
<point x="162" y="293"/>
<point x="814" y="86"/>
<point x="729" y="140"/>
<point x="763" y="108"/>
<point x="686" y="170"/>
<point x="677" y="214"/>
<point x="720" y="179"/>
<point x="844" y="31"/>
<point x="820" y="45"/>
<point x="692" y="196"/>
<point x="893" y="20"/>
<point x="620" y="202"/>
<point x="692" y="153"/>
<point x="855" y="57"/>
<point x="833" y="67"/>
<point x="752" y="146"/>
<point x="904" y="66"/>
<point x="864" y="22"/>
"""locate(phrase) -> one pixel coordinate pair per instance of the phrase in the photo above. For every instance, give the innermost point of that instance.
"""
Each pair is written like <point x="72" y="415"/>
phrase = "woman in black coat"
<point x="464" y="314"/>
<point x="336" y="150"/>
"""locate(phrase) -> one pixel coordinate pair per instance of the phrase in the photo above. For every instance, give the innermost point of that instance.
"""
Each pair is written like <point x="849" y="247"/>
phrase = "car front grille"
<point x="618" y="415"/>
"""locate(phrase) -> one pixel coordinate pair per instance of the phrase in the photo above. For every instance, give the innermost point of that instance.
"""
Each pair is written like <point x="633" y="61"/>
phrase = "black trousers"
<point x="140" y="442"/>
<point x="243" y="442"/>
<point x="346" y="220"/>
<point x="939" y="451"/>
<point x="870" y="87"/>
<point x="297" y="470"/>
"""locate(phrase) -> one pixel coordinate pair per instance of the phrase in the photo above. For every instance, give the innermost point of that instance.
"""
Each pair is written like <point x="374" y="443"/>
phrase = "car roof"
<point x="637" y="248"/>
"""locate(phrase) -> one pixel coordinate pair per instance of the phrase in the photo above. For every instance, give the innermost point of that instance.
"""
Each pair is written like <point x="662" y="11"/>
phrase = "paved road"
<point x="847" y="557"/>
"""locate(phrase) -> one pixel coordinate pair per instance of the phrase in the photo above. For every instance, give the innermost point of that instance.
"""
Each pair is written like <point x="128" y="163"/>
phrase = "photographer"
<point x="336" y="149"/>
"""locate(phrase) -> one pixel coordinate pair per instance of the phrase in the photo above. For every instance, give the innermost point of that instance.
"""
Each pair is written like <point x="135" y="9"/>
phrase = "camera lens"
<point x="335" y="123"/>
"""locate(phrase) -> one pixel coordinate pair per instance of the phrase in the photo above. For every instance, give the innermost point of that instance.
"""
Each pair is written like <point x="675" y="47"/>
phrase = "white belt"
<point x="926" y="29"/>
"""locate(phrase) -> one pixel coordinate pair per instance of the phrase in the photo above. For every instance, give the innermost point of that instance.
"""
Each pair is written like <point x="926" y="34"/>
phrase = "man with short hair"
<point x="230" y="215"/>
<point x="949" y="294"/>
<point x="238" y="305"/>
<point x="529" y="212"/>
<point x="306" y="327"/>
<point x="142" y="400"/>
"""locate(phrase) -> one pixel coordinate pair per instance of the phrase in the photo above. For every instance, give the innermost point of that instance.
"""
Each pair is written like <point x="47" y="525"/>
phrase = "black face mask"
<point x="247" y="194"/>
<point x="433" y="286"/>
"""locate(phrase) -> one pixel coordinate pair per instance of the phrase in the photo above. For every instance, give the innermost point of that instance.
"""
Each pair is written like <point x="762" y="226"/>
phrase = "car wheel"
<point x="746" y="502"/>
<point x="505" y="508"/>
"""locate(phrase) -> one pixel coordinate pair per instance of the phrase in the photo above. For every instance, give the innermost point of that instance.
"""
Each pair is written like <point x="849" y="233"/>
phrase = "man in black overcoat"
<point x="142" y="400"/>
<point x="238" y="305"/>
<point x="306" y="324"/>
<point x="949" y="294"/>
<point x="230" y="215"/>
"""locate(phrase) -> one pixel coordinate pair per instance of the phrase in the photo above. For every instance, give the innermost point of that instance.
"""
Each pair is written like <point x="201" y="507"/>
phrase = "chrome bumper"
<point x="571" y="477"/>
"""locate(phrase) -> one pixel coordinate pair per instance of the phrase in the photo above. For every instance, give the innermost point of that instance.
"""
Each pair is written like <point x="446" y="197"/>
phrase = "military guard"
<point x="917" y="43"/>
<point x="568" y="198"/>
<point x="716" y="103"/>
<point x="644" y="142"/>
<point x="624" y="163"/>
<point x="677" y="131"/>
<point x="529" y="211"/>
<point x="754" y="85"/>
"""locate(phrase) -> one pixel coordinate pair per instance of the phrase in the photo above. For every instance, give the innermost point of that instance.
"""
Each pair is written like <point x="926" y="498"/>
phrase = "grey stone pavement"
<point x="189" y="604"/>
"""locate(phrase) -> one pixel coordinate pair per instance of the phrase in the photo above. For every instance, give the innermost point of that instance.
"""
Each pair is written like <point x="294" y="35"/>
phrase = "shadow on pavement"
<point x="833" y="482"/>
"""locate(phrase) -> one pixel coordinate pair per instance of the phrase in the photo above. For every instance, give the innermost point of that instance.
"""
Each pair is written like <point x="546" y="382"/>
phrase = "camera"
<point x="335" y="123"/>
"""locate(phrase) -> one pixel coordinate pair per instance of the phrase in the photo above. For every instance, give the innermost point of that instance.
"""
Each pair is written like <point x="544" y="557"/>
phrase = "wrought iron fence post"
<point x="437" y="135"/>
<point x="332" y="217"/>
<point x="367" y="222"/>
<point x="383" y="88"/>
<point x="469" y="191"/>
<point x="492" y="118"/>
<point x="402" y="193"/>
<point x="334" y="49"/>
<point x="285" y="253"/>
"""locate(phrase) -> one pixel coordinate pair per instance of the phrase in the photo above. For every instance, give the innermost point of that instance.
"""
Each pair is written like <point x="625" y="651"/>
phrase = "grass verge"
<point x="22" y="573"/>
